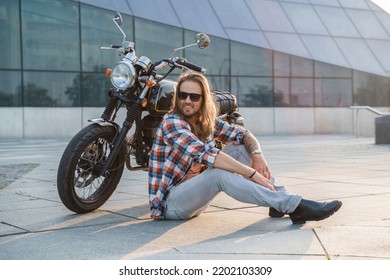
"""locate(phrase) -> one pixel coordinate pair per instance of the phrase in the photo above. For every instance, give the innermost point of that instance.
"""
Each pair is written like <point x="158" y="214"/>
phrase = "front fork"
<point x="132" y="115"/>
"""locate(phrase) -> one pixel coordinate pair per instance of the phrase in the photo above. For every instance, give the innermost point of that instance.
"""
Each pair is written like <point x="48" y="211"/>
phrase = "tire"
<point x="80" y="190"/>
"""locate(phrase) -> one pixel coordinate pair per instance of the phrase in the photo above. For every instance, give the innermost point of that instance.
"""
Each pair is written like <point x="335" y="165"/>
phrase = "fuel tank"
<point x="160" y="99"/>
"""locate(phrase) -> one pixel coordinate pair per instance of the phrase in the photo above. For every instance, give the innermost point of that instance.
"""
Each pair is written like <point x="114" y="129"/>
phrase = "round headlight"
<point x="122" y="76"/>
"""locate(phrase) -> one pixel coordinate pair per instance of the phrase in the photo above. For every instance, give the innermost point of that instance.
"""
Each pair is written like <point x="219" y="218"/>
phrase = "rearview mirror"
<point x="202" y="40"/>
<point x="118" y="19"/>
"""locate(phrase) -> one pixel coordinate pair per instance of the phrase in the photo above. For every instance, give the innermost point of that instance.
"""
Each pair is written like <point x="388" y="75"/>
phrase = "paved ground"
<point x="35" y="225"/>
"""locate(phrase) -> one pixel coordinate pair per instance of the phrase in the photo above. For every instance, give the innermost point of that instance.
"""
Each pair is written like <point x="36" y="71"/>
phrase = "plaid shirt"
<point x="175" y="149"/>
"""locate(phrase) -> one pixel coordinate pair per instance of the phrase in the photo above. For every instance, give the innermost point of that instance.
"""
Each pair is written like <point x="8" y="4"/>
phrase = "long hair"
<point x="204" y="124"/>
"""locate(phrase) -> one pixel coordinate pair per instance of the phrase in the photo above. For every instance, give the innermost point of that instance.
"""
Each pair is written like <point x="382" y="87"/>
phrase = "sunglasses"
<point x="193" y="96"/>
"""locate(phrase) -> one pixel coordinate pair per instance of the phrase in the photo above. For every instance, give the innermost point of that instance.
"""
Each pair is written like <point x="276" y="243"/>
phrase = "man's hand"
<point x="260" y="165"/>
<point x="261" y="180"/>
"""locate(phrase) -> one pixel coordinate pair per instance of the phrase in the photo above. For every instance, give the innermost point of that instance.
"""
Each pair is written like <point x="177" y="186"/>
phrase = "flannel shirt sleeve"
<point x="225" y="132"/>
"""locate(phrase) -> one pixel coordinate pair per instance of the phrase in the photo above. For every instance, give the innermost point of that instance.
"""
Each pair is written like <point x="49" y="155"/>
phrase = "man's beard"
<point x="187" y="115"/>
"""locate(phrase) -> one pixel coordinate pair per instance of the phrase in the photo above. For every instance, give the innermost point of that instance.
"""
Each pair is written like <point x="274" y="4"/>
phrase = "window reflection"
<point x="10" y="88"/>
<point x="253" y="92"/>
<point x="287" y="65"/>
<point x="50" y="35"/>
<point x="370" y="90"/>
<point x="293" y="92"/>
<point x="94" y="89"/>
<point x="333" y="92"/>
<point x="9" y="32"/>
<point x="156" y="40"/>
<point x="221" y="83"/>
<point x="48" y="89"/>
<point x="250" y="60"/>
<point x="331" y="71"/>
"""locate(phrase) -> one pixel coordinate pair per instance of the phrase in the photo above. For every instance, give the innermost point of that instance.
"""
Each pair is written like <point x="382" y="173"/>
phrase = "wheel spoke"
<point x="86" y="183"/>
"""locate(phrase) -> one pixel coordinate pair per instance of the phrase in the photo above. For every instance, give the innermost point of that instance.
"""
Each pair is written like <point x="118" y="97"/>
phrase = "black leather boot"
<point x="309" y="210"/>
<point x="275" y="213"/>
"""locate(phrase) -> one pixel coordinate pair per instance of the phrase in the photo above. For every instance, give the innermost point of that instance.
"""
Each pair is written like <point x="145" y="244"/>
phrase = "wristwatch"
<point x="256" y="152"/>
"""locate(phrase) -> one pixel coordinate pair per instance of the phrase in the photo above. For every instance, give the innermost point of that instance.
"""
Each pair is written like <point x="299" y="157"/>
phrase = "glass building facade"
<point x="293" y="53"/>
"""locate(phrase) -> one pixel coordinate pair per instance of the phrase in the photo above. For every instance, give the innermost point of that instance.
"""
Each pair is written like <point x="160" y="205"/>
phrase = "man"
<point x="186" y="171"/>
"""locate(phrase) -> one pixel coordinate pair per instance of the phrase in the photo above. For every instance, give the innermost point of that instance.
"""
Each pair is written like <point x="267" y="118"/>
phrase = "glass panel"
<point x="287" y="43"/>
<point x="359" y="55"/>
<point x="50" y="89"/>
<point x="324" y="70"/>
<point x="10" y="88"/>
<point x="282" y="65"/>
<point x="374" y="6"/>
<point x="287" y="65"/>
<point x="98" y="30"/>
<point x="333" y="92"/>
<point x="323" y="48"/>
<point x="234" y="14"/>
<point x="292" y="92"/>
<point x="370" y="90"/>
<point x="337" y="22"/>
<point x="266" y="14"/>
<point x="56" y="46"/>
<point x="215" y="58"/>
<point x="220" y="83"/>
<point x="198" y="15"/>
<point x="301" y="67"/>
<point x="381" y="51"/>
<point x="326" y="2"/>
<point x="384" y="18"/>
<point x="155" y="10"/>
<point x="370" y="26"/>
<point x="94" y="90"/>
<point x="253" y="92"/>
<point x="357" y="4"/>
<point x="304" y="18"/>
<point x="9" y="32"/>
<point x="247" y="60"/>
<point x="157" y="41"/>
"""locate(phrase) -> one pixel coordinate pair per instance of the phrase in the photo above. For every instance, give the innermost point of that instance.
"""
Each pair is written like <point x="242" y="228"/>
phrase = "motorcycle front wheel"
<point x="80" y="186"/>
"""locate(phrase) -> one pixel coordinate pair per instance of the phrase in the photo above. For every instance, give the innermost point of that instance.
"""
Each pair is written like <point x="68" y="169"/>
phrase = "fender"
<point x="103" y="122"/>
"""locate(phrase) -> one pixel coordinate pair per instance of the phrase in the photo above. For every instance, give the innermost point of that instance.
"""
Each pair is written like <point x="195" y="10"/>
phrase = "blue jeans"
<point x="191" y="198"/>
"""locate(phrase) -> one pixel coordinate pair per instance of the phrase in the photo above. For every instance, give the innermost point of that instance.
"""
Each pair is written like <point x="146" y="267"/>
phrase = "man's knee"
<point x="238" y="152"/>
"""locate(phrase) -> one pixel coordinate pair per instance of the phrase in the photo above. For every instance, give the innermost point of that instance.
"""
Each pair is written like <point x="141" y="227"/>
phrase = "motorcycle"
<point x="93" y="161"/>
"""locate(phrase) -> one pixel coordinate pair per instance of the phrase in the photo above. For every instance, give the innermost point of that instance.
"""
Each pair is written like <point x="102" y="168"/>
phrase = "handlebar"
<point x="116" y="46"/>
<point x="192" y="66"/>
<point x="178" y="62"/>
<point x="126" y="47"/>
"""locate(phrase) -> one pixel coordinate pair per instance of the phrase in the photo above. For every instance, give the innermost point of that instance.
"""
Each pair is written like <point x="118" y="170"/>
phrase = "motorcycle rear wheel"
<point x="79" y="185"/>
